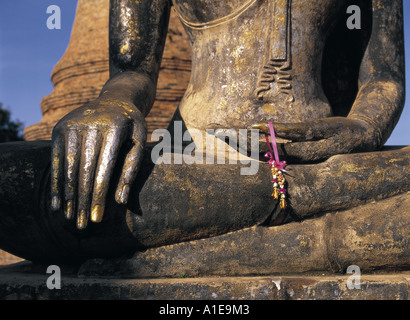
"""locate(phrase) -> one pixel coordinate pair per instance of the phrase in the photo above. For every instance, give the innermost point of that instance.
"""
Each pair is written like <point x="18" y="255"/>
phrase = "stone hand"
<point x="320" y="139"/>
<point x="85" y="148"/>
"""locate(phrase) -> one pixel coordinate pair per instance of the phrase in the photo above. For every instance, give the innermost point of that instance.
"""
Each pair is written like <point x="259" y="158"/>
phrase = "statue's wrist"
<point x="122" y="105"/>
<point x="372" y="130"/>
<point x="132" y="88"/>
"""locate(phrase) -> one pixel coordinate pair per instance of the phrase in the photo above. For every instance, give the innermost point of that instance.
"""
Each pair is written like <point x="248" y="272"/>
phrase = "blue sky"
<point x="29" y="51"/>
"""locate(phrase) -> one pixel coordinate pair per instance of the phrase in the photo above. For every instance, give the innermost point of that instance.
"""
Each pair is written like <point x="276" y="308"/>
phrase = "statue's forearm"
<point x="380" y="99"/>
<point x="137" y="35"/>
<point x="137" y="38"/>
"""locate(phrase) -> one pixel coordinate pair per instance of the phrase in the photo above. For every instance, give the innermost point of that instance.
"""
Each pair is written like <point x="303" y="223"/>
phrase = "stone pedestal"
<point x="25" y="282"/>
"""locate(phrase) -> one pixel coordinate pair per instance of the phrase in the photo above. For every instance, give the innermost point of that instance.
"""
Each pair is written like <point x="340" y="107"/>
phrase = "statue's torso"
<point x="256" y="60"/>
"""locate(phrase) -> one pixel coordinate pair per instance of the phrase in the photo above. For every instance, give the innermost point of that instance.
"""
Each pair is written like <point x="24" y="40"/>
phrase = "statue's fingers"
<point x="71" y="172"/>
<point x="304" y="131"/>
<point x="301" y="131"/>
<point x="57" y="165"/>
<point x="129" y="172"/>
<point x="106" y="163"/>
<point x="312" y="151"/>
<point x="319" y="129"/>
<point x="289" y="131"/>
<point x="297" y="152"/>
<point x="262" y="127"/>
<point x="87" y="171"/>
<point x="132" y="163"/>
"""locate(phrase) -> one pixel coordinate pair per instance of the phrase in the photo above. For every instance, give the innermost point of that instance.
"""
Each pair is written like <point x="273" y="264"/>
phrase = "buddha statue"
<point x="333" y="94"/>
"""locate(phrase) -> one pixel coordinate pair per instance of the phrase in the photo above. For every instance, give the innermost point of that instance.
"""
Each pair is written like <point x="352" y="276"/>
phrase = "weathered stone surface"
<point x="370" y="236"/>
<point x="23" y="282"/>
<point x="83" y="70"/>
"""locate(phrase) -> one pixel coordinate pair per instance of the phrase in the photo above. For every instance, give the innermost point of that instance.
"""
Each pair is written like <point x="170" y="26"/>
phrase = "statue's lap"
<point x="199" y="206"/>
